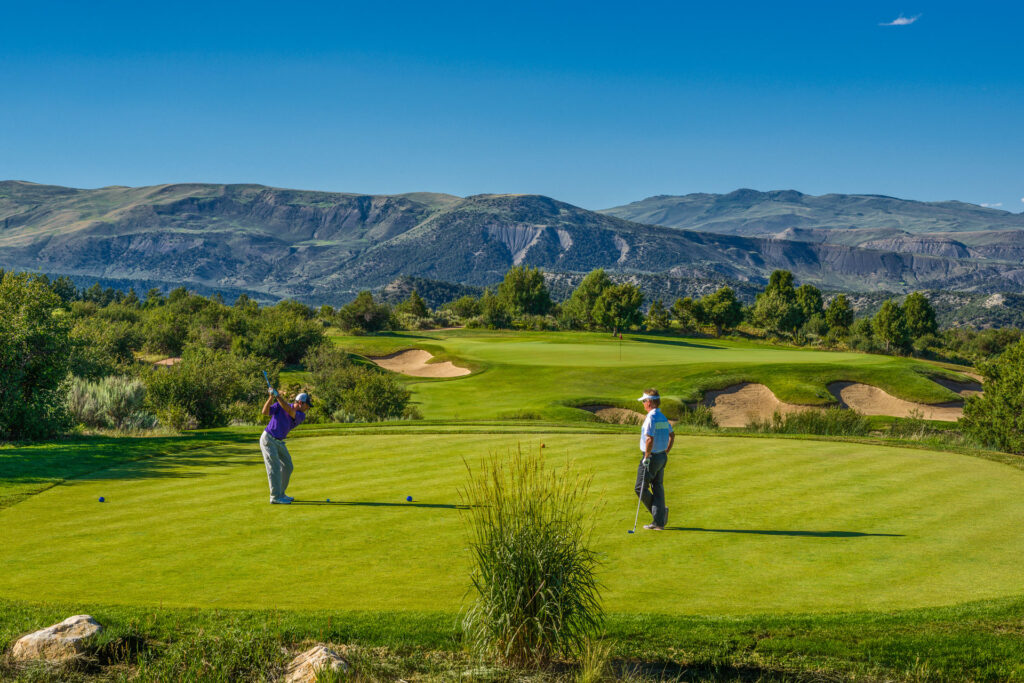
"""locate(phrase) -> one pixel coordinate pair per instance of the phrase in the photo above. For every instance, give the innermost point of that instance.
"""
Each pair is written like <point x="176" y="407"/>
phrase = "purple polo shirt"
<point x="281" y="423"/>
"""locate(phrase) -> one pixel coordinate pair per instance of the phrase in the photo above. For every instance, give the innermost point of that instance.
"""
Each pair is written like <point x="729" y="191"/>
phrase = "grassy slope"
<point x="538" y="373"/>
<point x="765" y="525"/>
<point x="979" y="641"/>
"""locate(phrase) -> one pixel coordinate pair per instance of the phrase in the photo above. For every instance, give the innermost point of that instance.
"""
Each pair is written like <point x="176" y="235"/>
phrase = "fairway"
<point x="544" y="374"/>
<point x="757" y="526"/>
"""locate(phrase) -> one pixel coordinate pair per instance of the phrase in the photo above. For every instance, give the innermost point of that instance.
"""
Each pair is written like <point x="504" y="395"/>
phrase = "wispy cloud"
<point x="901" y="21"/>
<point x="994" y="205"/>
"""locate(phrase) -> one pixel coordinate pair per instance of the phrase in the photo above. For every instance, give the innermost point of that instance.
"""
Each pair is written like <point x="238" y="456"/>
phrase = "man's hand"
<point x="272" y="392"/>
<point x="647" y="460"/>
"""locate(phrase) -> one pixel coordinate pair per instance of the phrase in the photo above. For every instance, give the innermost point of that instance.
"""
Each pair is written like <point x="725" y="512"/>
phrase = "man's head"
<point x="303" y="402"/>
<point x="650" y="399"/>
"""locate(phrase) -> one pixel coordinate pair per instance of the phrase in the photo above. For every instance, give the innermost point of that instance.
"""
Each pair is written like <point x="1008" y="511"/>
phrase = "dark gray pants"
<point x="650" y="486"/>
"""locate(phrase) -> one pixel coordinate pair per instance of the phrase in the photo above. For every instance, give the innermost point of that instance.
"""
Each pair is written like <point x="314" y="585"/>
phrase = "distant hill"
<point x="322" y="247"/>
<point x="948" y="229"/>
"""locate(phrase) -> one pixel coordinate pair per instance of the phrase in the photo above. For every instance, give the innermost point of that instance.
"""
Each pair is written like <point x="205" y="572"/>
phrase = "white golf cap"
<point x="649" y="397"/>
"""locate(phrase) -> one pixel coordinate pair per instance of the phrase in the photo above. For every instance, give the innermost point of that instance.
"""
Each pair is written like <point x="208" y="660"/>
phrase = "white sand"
<point x="738" y="405"/>
<point x="870" y="400"/>
<point x="416" y="362"/>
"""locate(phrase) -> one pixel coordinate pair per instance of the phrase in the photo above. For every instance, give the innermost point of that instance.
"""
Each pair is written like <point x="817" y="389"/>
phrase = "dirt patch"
<point x="869" y="400"/>
<point x="618" y="416"/>
<point x="416" y="363"/>
<point x="739" y="404"/>
<point x="965" y="389"/>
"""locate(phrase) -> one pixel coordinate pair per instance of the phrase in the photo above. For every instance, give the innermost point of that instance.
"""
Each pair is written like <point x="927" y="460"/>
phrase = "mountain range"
<point x="325" y="246"/>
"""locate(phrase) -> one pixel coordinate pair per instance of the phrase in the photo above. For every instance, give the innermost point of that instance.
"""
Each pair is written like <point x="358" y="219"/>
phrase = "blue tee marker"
<point x="408" y="499"/>
<point x="102" y="499"/>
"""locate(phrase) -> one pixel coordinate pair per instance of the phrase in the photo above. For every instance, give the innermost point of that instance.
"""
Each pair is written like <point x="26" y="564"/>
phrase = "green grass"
<point x="546" y="373"/>
<point x="763" y="525"/>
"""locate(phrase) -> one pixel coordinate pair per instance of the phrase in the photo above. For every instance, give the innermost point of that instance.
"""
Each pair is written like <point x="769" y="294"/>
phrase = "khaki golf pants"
<point x="279" y="464"/>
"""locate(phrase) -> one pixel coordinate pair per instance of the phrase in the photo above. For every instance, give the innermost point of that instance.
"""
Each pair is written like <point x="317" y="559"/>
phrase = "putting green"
<point x="539" y="374"/>
<point x="758" y="525"/>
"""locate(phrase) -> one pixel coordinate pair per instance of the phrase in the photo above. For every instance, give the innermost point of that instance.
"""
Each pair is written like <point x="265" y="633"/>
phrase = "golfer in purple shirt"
<point x="283" y="418"/>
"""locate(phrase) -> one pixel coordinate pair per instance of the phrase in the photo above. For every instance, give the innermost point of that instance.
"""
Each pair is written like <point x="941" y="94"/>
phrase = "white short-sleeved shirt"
<point x="656" y="425"/>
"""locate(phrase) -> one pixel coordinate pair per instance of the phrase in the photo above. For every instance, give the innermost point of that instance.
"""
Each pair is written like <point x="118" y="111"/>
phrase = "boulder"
<point x="305" y="667"/>
<point x="60" y="642"/>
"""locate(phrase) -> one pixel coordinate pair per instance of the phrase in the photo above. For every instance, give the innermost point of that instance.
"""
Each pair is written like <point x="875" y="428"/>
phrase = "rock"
<point x="60" y="642"/>
<point x="305" y="667"/>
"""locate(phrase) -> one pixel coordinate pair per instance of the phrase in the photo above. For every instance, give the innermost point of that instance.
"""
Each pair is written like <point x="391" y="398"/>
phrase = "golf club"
<point x="638" y="500"/>
<point x="274" y="393"/>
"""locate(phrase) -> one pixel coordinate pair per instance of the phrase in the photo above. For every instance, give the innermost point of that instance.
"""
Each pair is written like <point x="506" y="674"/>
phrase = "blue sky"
<point x="594" y="103"/>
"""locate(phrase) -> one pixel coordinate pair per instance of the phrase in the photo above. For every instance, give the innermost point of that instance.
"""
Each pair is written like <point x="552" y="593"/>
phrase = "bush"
<point x="537" y="594"/>
<point x="201" y="389"/>
<point x="110" y="403"/>
<point x="365" y="315"/>
<point x="103" y="347"/>
<point x="35" y="349"/>
<point x="831" y="421"/>
<point x="349" y="392"/>
<point x="996" y="417"/>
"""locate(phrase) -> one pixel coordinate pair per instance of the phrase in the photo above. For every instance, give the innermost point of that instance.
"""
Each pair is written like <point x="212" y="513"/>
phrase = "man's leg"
<point x="269" y="449"/>
<point x="286" y="466"/>
<point x="642" y="480"/>
<point x="658" y="509"/>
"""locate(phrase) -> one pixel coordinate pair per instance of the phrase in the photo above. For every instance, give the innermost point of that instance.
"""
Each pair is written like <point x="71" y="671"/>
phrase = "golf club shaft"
<point x="639" y="498"/>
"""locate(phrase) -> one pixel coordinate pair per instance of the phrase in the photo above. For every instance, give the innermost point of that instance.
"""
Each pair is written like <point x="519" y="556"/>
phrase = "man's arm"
<point x="671" y="440"/>
<point x="648" y="445"/>
<point x="270" y="402"/>
<point x="287" y="407"/>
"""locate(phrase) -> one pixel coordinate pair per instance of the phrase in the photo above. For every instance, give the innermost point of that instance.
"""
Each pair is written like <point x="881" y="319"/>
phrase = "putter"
<point x="268" y="382"/>
<point x="638" y="500"/>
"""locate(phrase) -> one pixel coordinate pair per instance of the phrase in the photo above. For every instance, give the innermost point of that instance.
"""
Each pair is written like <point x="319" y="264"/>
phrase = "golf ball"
<point x="408" y="499"/>
<point x="101" y="499"/>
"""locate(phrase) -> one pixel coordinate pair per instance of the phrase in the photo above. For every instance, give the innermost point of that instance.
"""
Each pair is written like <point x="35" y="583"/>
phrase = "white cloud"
<point x="1022" y="199"/>
<point x="994" y="205"/>
<point x="901" y="21"/>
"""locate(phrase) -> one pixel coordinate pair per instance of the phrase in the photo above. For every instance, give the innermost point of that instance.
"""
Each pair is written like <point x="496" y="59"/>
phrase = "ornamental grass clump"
<point x="534" y="575"/>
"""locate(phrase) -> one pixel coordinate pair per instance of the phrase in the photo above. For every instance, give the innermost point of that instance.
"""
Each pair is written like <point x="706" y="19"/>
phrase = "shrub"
<point x="996" y="417"/>
<point x="103" y="347"/>
<point x="110" y="403"/>
<point x="365" y="315"/>
<point x="536" y="593"/>
<point x="354" y="392"/>
<point x="201" y="389"/>
<point x="831" y="421"/>
<point x="34" y="359"/>
<point x="374" y="396"/>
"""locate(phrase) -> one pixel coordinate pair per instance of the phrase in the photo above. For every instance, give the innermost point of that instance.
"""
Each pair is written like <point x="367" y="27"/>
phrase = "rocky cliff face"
<point x="319" y="245"/>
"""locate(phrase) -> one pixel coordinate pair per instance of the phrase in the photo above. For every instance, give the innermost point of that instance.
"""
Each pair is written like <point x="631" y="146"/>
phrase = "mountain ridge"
<point x="307" y="243"/>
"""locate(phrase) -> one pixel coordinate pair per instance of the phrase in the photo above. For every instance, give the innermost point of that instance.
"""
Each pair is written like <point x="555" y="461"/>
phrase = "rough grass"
<point x="975" y="641"/>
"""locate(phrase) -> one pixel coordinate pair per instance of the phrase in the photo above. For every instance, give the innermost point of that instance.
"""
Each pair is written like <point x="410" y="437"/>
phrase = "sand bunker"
<point x="965" y="389"/>
<point x="416" y="363"/>
<point x="738" y="405"/>
<point x="869" y="400"/>
<point x="618" y="416"/>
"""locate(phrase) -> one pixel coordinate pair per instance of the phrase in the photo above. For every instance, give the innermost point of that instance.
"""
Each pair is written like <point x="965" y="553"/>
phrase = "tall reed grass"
<point x="534" y="575"/>
<point x="831" y="421"/>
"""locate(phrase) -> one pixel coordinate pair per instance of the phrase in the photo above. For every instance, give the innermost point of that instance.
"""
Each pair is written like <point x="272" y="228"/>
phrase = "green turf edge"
<point x="981" y="641"/>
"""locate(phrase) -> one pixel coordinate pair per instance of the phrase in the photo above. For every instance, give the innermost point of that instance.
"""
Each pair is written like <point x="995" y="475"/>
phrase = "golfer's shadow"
<point x="779" y="532"/>
<point x="441" y="506"/>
